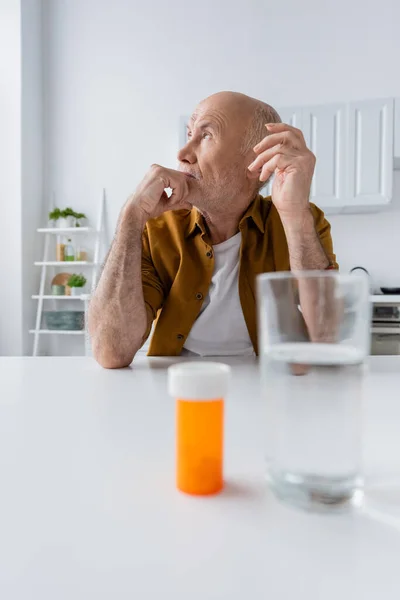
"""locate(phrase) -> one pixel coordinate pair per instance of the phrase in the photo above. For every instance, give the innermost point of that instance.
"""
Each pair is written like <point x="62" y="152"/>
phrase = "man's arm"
<point x="119" y="318"/>
<point x="284" y="152"/>
<point x="117" y="314"/>
<point x="305" y="248"/>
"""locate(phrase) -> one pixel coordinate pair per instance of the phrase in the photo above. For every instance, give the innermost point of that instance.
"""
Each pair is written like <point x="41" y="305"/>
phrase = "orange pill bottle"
<point x="199" y="389"/>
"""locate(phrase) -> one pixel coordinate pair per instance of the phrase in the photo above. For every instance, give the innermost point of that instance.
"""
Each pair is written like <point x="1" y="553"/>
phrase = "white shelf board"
<point x="59" y="230"/>
<point x="65" y="263"/>
<point x="81" y="297"/>
<point x="59" y="331"/>
<point x="385" y="299"/>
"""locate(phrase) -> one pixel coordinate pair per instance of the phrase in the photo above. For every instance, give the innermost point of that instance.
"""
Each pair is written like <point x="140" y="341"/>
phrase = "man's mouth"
<point x="191" y="175"/>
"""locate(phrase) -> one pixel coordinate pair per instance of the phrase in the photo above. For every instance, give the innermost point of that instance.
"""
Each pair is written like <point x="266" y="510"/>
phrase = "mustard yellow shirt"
<point x="178" y="263"/>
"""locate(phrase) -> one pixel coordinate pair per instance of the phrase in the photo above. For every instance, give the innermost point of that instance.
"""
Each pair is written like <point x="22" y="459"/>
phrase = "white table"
<point x="89" y="509"/>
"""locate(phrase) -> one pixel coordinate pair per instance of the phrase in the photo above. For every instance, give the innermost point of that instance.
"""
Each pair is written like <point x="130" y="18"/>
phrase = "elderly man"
<point x="188" y="261"/>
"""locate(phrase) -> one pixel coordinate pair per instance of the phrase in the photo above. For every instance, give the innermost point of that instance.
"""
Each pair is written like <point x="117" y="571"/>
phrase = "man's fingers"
<point x="265" y="156"/>
<point x="285" y="138"/>
<point x="279" y="127"/>
<point x="178" y="182"/>
<point x="282" y="127"/>
<point x="279" y="161"/>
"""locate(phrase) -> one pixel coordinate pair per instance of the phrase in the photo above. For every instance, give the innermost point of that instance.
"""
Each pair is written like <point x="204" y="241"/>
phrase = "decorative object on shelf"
<point x="81" y="253"/>
<point x="69" y="251"/>
<point x="66" y="218"/>
<point x="64" y="320"/>
<point x="58" y="290"/>
<point x="62" y="279"/>
<point x="77" y="283"/>
<point x="54" y="216"/>
<point x="79" y="218"/>
<point x="60" y="249"/>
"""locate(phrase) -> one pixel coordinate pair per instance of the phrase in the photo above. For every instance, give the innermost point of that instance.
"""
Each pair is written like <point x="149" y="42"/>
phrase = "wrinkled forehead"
<point x="225" y="114"/>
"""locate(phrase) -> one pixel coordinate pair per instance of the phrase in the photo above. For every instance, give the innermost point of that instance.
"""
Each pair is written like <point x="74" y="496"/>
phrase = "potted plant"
<point x="76" y="283"/>
<point x="54" y="216"/>
<point x="67" y="218"/>
<point x="79" y="217"/>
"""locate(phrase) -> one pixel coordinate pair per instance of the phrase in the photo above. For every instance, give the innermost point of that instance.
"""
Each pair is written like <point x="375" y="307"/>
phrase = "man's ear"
<point x="251" y="174"/>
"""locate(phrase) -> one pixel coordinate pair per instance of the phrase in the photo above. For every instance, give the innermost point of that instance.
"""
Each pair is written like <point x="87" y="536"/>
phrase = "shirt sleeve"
<point x="153" y="289"/>
<point x="323" y="228"/>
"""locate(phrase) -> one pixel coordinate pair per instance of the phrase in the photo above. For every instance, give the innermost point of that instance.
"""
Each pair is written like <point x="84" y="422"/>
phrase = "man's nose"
<point x="187" y="153"/>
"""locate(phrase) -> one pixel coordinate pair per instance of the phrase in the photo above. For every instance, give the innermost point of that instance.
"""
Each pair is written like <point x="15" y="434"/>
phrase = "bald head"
<point x="246" y="114"/>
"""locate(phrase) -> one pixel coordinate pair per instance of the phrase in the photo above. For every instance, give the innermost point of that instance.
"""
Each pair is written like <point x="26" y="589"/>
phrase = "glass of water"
<point x="314" y="338"/>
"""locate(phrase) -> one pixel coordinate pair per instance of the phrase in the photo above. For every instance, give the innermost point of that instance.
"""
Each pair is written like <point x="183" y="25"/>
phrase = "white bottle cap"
<point x="198" y="380"/>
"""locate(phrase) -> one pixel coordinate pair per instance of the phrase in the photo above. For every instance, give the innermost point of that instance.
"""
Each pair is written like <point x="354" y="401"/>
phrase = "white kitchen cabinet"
<point x="353" y="144"/>
<point x="370" y="156"/>
<point x="397" y="133"/>
<point x="324" y="129"/>
<point x="292" y="115"/>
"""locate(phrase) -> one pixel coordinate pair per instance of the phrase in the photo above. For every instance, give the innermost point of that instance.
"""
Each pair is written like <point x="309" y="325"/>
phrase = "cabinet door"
<point x="324" y="129"/>
<point x="370" y="159"/>
<point x="291" y="115"/>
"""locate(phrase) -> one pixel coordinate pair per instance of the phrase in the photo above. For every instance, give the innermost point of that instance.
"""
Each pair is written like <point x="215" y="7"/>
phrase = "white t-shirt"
<point x="220" y="329"/>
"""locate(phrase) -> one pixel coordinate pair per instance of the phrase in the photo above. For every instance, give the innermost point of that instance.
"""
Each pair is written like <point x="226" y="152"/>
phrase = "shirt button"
<point x="180" y="336"/>
<point x="199" y="296"/>
<point x="209" y="254"/>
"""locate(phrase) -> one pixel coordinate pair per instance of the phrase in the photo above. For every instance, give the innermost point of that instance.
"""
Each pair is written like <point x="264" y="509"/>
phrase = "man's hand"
<point x="284" y="152"/>
<point x="150" y="198"/>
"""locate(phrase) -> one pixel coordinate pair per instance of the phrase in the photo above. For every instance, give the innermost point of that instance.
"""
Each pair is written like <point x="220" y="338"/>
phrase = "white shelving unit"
<point x="58" y="332"/>
<point x="82" y="297"/>
<point x="66" y="230"/>
<point x="63" y="263"/>
<point x="45" y="264"/>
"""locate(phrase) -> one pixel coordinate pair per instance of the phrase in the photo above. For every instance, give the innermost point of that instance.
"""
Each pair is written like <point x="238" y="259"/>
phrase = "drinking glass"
<point x="314" y="338"/>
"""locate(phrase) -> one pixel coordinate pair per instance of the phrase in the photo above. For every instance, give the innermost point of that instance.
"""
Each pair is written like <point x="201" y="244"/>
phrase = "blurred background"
<point x="92" y="92"/>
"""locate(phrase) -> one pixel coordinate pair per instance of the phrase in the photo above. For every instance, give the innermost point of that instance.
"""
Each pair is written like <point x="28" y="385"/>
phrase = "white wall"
<point x="32" y="200"/>
<point x="21" y="172"/>
<point x="119" y="74"/>
<point x="10" y="178"/>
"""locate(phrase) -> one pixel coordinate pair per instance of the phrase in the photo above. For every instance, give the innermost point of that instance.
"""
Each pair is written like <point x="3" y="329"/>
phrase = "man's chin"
<point x="194" y="191"/>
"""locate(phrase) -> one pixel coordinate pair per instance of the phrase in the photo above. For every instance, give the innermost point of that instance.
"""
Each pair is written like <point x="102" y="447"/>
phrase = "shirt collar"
<point x="253" y="212"/>
<point x="195" y="222"/>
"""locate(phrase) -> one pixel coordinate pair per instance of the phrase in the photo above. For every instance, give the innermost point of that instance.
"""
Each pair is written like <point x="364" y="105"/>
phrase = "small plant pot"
<point x="80" y="223"/>
<point x="58" y="290"/>
<point x="76" y="291"/>
<point x="65" y="223"/>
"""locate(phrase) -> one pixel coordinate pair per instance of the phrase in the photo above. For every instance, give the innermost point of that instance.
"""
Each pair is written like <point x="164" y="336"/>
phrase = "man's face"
<point x="213" y="154"/>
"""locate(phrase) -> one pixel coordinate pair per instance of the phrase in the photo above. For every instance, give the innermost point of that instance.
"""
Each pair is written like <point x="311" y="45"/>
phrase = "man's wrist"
<point x="298" y="222"/>
<point x="133" y="219"/>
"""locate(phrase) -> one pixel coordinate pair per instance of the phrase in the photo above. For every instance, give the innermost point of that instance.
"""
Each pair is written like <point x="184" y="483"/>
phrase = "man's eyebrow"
<point x="206" y="124"/>
<point x="203" y="125"/>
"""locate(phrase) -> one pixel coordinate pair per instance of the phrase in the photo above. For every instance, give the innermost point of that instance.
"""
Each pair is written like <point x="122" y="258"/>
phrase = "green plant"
<point x="79" y="216"/>
<point x="67" y="212"/>
<point x="76" y="280"/>
<point x="55" y="214"/>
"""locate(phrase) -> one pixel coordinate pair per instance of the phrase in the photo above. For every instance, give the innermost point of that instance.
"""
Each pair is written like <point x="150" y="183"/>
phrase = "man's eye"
<point x="206" y="135"/>
<point x="189" y="135"/>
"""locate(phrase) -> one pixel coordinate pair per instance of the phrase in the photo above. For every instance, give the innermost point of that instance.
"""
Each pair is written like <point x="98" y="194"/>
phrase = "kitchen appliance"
<point x="385" y="330"/>
<point x="391" y="291"/>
